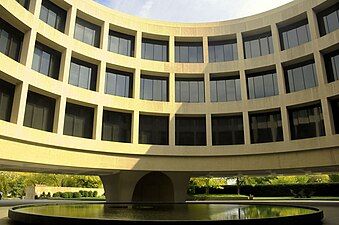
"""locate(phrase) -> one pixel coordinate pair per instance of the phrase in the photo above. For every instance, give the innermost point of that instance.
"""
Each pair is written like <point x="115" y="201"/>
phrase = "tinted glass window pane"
<point x="306" y="122"/>
<point x="155" y="50"/>
<point x="78" y="121"/>
<point x="258" y="45"/>
<point x="335" y="112"/>
<point x="220" y="51"/>
<point x="190" y="130"/>
<point x="83" y="74"/>
<point x="328" y="19"/>
<point x="118" y="83"/>
<point x="266" y="127"/>
<point x="188" y="52"/>
<point x="294" y="34"/>
<point x="39" y="113"/>
<point x="221" y="89"/>
<point x="10" y="40"/>
<point x="24" y="3"/>
<point x="262" y="84"/>
<point x="332" y="66"/>
<point x="116" y="126"/>
<point x="189" y="90"/>
<point x="153" y="130"/>
<point x="227" y="130"/>
<point x="87" y="32"/>
<point x="301" y="76"/>
<point x="6" y="100"/>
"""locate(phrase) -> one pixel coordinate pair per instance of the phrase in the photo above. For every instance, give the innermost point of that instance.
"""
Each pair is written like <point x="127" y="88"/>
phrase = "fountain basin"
<point x="211" y="213"/>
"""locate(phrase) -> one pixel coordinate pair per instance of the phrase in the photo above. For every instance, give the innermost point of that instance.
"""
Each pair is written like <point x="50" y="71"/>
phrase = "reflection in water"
<point x="166" y="212"/>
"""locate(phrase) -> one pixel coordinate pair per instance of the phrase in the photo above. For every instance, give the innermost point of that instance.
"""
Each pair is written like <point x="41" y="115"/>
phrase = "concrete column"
<point x="171" y="49"/>
<point x="171" y="129"/>
<point x="240" y="46"/>
<point x="138" y="43"/>
<point x="328" y="117"/>
<point x="208" y="129"/>
<point x="104" y="36"/>
<point x="34" y="7"/>
<point x="243" y="85"/>
<point x="65" y="65"/>
<point x="313" y="24"/>
<point x="247" y="133"/>
<point x="136" y="83"/>
<point x="101" y="77"/>
<point x="119" y="187"/>
<point x="135" y="127"/>
<point x="70" y="21"/>
<point x="207" y="88"/>
<point x="171" y="88"/>
<point x="285" y="124"/>
<point x="60" y="110"/>
<point x="180" y="182"/>
<point x="320" y="67"/>
<point x="28" y="44"/>
<point x="279" y="68"/>
<point x="97" y="125"/>
<point x="19" y="103"/>
<point x="205" y="49"/>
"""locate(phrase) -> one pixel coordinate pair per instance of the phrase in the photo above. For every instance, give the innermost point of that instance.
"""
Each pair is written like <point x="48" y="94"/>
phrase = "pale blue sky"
<point x="193" y="10"/>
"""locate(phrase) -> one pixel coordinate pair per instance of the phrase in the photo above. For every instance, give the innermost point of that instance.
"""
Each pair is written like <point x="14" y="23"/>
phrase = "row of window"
<point x="223" y="88"/>
<point x="305" y="122"/>
<point x="261" y="44"/>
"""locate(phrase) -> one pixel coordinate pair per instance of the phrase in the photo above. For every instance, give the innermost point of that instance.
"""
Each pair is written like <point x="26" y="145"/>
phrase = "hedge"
<point x="280" y="190"/>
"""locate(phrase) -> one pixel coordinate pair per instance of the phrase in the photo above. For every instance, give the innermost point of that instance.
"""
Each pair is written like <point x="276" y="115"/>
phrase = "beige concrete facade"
<point x="27" y="149"/>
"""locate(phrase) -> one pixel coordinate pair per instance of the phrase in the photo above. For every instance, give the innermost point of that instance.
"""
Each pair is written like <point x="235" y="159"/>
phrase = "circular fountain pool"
<point x="164" y="213"/>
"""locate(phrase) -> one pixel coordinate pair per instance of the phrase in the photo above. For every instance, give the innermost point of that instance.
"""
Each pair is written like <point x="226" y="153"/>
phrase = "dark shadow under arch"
<point x="154" y="187"/>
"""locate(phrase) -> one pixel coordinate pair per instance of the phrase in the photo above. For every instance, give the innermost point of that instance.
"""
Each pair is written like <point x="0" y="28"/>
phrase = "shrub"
<point x="90" y="194"/>
<point x="81" y="193"/>
<point x="48" y="195"/>
<point x="57" y="194"/>
<point x="95" y="194"/>
<point x="64" y="195"/>
<point x="85" y="194"/>
<point x="76" y="195"/>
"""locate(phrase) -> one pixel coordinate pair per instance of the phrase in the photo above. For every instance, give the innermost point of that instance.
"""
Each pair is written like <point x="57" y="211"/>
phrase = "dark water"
<point x="166" y="212"/>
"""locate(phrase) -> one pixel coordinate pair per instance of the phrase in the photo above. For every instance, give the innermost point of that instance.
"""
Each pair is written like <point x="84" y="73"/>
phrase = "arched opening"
<point x="154" y="187"/>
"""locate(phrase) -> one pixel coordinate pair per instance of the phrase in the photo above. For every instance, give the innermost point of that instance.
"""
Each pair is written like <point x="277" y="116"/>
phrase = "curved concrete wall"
<point x="29" y="149"/>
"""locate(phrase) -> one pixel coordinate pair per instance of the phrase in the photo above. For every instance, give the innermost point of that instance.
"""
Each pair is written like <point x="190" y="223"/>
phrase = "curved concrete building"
<point x="142" y="103"/>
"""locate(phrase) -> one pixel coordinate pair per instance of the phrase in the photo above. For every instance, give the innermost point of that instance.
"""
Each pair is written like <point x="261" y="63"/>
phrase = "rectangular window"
<point x="301" y="76"/>
<point x="154" y="88"/>
<point x="83" y="74"/>
<point x="306" y="122"/>
<point x="332" y="66"/>
<point x="24" y="3"/>
<point x="78" y="121"/>
<point x="118" y="83"/>
<point x="188" y="52"/>
<point x="10" y="40"/>
<point x="154" y="50"/>
<point x="189" y="90"/>
<point x="116" y="126"/>
<point x="46" y="60"/>
<point x="227" y="130"/>
<point x="266" y="127"/>
<point x="328" y="20"/>
<point x="87" y="32"/>
<point x="294" y="34"/>
<point x="153" y="130"/>
<point x="258" y="45"/>
<point x="53" y="15"/>
<point x="190" y="131"/>
<point x="335" y="113"/>
<point x="39" y="112"/>
<point x="225" y="89"/>
<point x="222" y="51"/>
<point x="6" y="100"/>
<point x="121" y="43"/>
<point x="264" y="84"/>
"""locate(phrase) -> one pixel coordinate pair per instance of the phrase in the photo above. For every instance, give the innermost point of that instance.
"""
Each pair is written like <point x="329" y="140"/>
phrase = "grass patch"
<point x="218" y="197"/>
